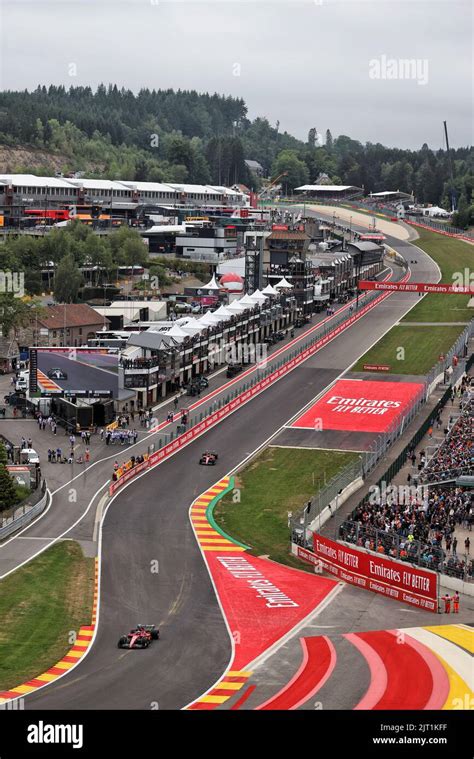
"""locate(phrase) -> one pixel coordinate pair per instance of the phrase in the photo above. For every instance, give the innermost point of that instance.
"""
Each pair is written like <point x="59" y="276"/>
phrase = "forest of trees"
<point x="186" y="136"/>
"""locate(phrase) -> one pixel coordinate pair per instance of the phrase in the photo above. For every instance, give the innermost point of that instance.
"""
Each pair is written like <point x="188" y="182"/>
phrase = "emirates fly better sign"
<point x="358" y="406"/>
<point x="380" y="574"/>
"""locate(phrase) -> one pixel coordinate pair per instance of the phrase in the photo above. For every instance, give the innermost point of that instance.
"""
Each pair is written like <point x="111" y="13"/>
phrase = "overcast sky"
<point x="305" y="63"/>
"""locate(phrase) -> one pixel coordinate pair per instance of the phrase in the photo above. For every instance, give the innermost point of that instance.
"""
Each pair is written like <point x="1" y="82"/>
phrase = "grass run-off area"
<point x="40" y="604"/>
<point x="278" y="481"/>
<point x="422" y="347"/>
<point x="453" y="257"/>
<point x="424" y="344"/>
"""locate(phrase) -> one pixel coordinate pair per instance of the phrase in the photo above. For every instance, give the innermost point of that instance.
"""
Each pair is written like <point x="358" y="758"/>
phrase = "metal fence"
<point x="14" y="519"/>
<point x="395" y="546"/>
<point x="445" y="364"/>
<point x="326" y="496"/>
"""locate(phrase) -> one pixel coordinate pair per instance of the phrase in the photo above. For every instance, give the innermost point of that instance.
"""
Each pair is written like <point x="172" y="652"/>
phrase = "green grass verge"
<point x="278" y="481"/>
<point x="422" y="346"/>
<point x="40" y="604"/>
<point x="452" y="256"/>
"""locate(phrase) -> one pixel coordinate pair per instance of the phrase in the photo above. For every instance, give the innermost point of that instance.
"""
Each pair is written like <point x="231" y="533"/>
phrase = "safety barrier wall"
<point x="400" y="581"/>
<point x="27" y="516"/>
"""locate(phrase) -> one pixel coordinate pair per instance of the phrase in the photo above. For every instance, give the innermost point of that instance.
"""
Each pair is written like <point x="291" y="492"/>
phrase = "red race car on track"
<point x="140" y="637"/>
<point x="208" y="458"/>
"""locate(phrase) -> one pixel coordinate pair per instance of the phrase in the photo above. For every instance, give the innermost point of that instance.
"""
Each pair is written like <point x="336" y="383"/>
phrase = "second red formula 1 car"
<point x="140" y="637"/>
<point x="208" y="458"/>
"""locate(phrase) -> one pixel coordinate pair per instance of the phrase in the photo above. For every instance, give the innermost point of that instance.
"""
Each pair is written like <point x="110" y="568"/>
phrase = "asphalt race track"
<point x="148" y="521"/>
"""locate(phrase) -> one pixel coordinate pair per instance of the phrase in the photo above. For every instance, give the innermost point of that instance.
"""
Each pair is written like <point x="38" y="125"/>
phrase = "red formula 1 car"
<point x="140" y="637"/>
<point x="208" y="458"/>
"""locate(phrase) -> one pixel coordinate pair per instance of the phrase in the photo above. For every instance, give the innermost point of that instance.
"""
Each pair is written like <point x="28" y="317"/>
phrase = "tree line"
<point x="186" y="136"/>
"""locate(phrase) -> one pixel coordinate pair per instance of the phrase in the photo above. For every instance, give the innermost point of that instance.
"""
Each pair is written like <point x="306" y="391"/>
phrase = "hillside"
<point x="36" y="161"/>
<point x="186" y="136"/>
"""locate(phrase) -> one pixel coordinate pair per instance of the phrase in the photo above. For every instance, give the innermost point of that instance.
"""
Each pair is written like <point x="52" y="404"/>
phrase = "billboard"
<point x="393" y="579"/>
<point x="74" y="372"/>
<point x="360" y="406"/>
<point x="417" y="287"/>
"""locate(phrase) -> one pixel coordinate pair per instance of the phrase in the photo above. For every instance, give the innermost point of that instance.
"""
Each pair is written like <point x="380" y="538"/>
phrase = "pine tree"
<point x="8" y="495"/>
<point x="3" y="454"/>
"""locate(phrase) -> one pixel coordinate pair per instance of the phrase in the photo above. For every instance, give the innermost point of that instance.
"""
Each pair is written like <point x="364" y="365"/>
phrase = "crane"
<point x="452" y="192"/>
<point x="271" y="184"/>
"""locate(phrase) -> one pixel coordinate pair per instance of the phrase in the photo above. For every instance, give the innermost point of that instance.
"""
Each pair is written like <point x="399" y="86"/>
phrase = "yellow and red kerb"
<point x="45" y="382"/>
<point x="207" y="536"/>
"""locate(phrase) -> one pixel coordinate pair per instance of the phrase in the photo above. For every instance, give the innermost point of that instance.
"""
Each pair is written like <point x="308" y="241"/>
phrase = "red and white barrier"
<point x="394" y="579"/>
<point x="457" y="235"/>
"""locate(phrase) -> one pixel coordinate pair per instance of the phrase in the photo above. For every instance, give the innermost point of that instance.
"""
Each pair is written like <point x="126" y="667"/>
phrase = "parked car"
<point x="29" y="456"/>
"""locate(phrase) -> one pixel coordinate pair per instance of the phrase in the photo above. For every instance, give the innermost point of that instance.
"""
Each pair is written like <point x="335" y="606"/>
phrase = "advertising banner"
<point x="356" y="406"/>
<point x="417" y="287"/>
<point x="380" y="574"/>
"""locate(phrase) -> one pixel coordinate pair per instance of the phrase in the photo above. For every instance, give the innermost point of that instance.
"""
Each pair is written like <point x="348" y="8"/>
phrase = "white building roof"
<point x="325" y="187"/>
<point x="224" y="190"/>
<point x="164" y="229"/>
<point x="147" y="186"/>
<point x="99" y="184"/>
<point x="387" y="193"/>
<point x="29" y="180"/>
<point x="198" y="189"/>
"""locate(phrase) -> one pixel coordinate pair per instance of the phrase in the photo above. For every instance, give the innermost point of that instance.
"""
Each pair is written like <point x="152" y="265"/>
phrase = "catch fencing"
<point x="13" y="520"/>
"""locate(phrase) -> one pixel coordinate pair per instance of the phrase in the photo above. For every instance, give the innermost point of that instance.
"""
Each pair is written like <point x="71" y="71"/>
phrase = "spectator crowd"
<point x="417" y="529"/>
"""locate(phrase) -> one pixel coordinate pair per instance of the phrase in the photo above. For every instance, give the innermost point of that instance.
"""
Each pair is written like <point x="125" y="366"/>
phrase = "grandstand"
<point x="334" y="192"/>
<point x="426" y="524"/>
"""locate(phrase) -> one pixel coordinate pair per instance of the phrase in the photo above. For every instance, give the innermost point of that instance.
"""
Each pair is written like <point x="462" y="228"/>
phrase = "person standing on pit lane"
<point x="456" y="601"/>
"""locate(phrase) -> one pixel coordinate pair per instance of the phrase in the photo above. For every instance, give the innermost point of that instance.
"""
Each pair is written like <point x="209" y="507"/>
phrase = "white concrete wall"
<point x="335" y="504"/>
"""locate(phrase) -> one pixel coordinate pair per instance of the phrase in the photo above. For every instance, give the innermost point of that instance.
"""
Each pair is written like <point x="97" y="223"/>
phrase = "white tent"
<point x="269" y="290"/>
<point x="247" y="300"/>
<point x="212" y="285"/>
<point x="223" y="313"/>
<point x="283" y="284"/>
<point x="237" y="306"/>
<point x="189" y="325"/>
<point x="259" y="296"/>
<point x="210" y="320"/>
<point x="177" y="332"/>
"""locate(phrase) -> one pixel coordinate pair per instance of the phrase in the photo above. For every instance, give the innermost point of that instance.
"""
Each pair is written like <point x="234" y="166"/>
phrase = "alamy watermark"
<point x="414" y="69"/>
<point x="12" y="282"/>
<point x="237" y="353"/>
<point x="398" y="494"/>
